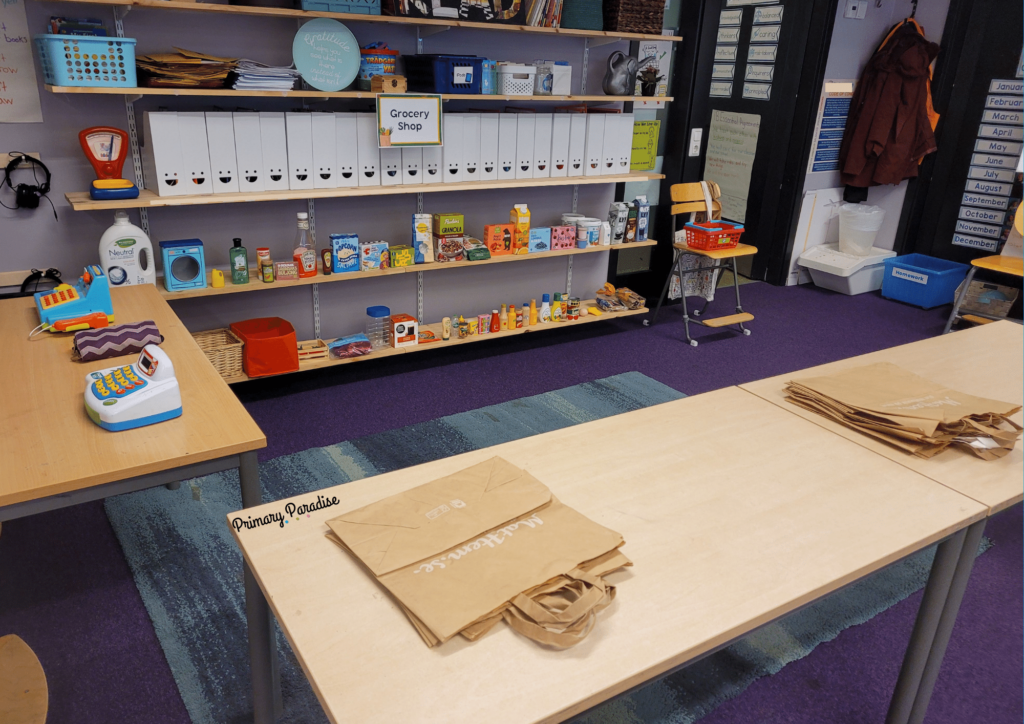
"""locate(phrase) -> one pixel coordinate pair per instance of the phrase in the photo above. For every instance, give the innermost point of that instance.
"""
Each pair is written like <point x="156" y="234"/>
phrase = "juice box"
<point x="476" y="250"/>
<point x="404" y="330"/>
<point x="448" y="225"/>
<point x="401" y="255"/>
<point x="540" y="239"/>
<point x="374" y="255"/>
<point x="498" y="238"/>
<point x="449" y="248"/>
<point x="422" y="244"/>
<point x="563" y="237"/>
<point x="520" y="219"/>
<point x="344" y="253"/>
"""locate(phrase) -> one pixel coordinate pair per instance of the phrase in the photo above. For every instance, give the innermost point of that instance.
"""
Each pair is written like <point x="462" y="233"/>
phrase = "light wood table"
<point x="985" y="361"/>
<point x="734" y="511"/>
<point x="54" y="456"/>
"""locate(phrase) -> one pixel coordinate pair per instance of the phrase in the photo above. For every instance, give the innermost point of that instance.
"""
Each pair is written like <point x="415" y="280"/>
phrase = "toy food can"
<point x="588" y="232"/>
<point x="262" y="255"/>
<point x="617" y="213"/>
<point x="267" y="270"/>
<point x="483" y="323"/>
<point x="463" y="329"/>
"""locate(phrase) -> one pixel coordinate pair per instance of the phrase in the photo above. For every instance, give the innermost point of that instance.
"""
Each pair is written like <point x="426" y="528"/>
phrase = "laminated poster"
<point x="833" y="109"/>
<point x="19" y="91"/>
<point x="732" y="147"/>
<point x="645" y="145"/>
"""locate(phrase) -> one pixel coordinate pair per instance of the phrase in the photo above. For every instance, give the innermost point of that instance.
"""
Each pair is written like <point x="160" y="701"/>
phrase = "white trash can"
<point x="858" y="227"/>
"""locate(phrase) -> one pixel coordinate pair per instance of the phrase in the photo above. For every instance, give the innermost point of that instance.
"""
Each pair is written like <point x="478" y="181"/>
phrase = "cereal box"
<point x="498" y="238"/>
<point x="448" y="225"/>
<point x="540" y="239"/>
<point x="520" y="219"/>
<point x="401" y="255"/>
<point x="448" y="248"/>
<point x="374" y="255"/>
<point x="563" y="237"/>
<point x="344" y="253"/>
<point x="404" y="330"/>
<point x="422" y="244"/>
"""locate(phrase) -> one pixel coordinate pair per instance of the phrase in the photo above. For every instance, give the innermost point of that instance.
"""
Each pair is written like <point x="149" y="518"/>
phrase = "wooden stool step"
<point x="730" y="319"/>
<point x="23" y="694"/>
<point x="976" y="320"/>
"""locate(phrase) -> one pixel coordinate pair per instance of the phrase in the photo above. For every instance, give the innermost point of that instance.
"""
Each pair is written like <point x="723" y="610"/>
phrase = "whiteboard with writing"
<point x="732" y="145"/>
<point x="326" y="54"/>
<point x="19" y="92"/>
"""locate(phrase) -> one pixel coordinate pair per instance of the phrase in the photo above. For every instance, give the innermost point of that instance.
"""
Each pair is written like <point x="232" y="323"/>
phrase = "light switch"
<point x="696" y="135"/>
<point x="856" y="9"/>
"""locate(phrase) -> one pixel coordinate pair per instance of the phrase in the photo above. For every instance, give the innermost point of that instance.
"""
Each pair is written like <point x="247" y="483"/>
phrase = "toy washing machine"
<point x="184" y="264"/>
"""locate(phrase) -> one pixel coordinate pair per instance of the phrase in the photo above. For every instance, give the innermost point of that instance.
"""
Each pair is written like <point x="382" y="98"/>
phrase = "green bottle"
<point x="239" y="263"/>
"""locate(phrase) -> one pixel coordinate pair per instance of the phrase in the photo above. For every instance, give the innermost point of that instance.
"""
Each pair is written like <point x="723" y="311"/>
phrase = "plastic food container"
<point x="571" y="219"/>
<point x="543" y="78"/>
<point x="516" y="80"/>
<point x="588" y="232"/>
<point x="378" y="326"/>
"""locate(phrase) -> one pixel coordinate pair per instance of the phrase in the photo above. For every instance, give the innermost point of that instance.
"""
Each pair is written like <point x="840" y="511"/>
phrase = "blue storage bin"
<point x="436" y="73"/>
<point x="85" y="60"/>
<point x="922" y="280"/>
<point x="353" y="7"/>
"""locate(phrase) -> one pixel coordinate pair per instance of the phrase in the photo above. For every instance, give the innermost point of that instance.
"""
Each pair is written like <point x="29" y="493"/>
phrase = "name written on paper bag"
<point x="488" y="541"/>
<point x="920" y="403"/>
<point x="290" y="511"/>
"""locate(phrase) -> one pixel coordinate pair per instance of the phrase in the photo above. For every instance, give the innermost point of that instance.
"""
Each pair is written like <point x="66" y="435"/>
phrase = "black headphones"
<point x="26" y="196"/>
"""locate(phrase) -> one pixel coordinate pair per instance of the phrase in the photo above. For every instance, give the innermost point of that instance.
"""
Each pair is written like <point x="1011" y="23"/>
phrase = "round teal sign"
<point x="326" y="54"/>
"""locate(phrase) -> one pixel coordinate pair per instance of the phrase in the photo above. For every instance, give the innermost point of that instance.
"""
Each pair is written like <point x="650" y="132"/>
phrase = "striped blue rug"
<point x="189" y="571"/>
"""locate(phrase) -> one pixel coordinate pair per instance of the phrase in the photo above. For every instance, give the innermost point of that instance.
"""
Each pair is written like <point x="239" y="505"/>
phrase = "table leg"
<point x="959" y="300"/>
<point x="266" y="681"/>
<point x="664" y="290"/>
<point x="936" y="592"/>
<point x="949" y="612"/>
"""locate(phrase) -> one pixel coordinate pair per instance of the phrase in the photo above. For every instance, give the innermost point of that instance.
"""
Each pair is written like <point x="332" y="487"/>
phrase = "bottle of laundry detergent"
<point x="126" y="253"/>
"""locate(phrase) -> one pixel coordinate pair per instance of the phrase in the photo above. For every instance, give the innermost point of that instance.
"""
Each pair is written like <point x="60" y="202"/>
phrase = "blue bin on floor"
<point x="922" y="280"/>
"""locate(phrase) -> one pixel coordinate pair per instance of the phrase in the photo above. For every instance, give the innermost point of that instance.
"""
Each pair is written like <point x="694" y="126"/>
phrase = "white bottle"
<point x="126" y="254"/>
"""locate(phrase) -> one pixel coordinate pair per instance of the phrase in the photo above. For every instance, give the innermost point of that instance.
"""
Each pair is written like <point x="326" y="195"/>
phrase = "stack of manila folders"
<point x="488" y="543"/>
<point x="909" y="412"/>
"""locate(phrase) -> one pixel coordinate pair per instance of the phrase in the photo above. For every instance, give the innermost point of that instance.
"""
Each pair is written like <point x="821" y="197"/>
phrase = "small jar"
<point x="543" y="79"/>
<point x="378" y="326"/>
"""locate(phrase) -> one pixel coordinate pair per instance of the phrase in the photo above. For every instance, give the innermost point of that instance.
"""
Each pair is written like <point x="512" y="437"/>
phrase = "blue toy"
<point x="69" y="308"/>
<point x="184" y="264"/>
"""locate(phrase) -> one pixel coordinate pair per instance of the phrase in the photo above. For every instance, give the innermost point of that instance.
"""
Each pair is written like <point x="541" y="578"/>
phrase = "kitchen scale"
<point x="106" y="148"/>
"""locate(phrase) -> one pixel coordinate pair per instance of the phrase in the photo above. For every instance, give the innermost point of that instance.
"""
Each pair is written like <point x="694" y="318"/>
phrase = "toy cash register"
<point x="84" y="305"/>
<point x="135" y="395"/>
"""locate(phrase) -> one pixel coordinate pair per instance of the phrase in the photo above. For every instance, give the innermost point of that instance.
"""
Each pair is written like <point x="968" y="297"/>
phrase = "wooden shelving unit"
<point x="351" y="95"/>
<point x="81" y="201"/>
<point x="434" y="25"/>
<point x="454" y="341"/>
<point x="255" y="285"/>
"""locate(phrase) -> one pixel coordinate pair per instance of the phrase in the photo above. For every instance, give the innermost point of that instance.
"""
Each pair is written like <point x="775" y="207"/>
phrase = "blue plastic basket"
<point x="355" y="7"/>
<point x="85" y="60"/>
<point x="436" y="73"/>
<point x="922" y="280"/>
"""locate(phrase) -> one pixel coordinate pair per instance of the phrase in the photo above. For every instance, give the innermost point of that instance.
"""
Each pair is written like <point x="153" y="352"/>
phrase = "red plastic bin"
<point x="271" y="347"/>
<point x="712" y="235"/>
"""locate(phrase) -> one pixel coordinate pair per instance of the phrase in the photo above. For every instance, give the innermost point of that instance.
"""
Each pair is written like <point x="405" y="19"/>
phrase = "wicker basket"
<point x="223" y="349"/>
<point x="634" y="16"/>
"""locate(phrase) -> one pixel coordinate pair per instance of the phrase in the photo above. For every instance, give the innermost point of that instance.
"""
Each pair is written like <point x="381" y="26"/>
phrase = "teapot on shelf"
<point x="620" y="79"/>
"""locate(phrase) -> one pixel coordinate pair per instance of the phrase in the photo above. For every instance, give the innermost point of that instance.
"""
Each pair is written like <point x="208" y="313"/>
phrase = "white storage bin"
<point x="845" y="273"/>
<point x="515" y="80"/>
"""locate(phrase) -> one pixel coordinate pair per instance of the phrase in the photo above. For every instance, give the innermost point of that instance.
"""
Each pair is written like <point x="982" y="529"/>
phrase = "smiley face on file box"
<point x="195" y="152"/>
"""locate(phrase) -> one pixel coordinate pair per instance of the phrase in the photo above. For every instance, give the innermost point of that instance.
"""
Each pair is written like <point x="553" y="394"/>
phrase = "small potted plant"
<point x="649" y="80"/>
<point x="385" y="137"/>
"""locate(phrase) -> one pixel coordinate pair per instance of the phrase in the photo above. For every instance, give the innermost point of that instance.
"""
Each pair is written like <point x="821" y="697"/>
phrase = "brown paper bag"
<point x="455" y="551"/>
<point x="908" y="411"/>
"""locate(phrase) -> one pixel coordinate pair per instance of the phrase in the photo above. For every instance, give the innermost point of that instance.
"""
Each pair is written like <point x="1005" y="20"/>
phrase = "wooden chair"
<point x="23" y="694"/>
<point x="690" y="198"/>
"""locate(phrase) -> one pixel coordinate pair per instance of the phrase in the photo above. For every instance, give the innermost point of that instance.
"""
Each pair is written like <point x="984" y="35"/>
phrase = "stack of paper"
<point x="183" y="69"/>
<point x="909" y="412"/>
<point x="252" y="75"/>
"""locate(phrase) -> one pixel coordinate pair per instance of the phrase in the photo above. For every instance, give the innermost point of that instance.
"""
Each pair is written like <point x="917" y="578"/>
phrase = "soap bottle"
<point x="556" y="308"/>
<point x="495" y="323"/>
<point x="126" y="253"/>
<point x="239" y="258"/>
<point x="545" y="309"/>
<point x="533" y="312"/>
<point x="304" y="254"/>
<point x="503" y="319"/>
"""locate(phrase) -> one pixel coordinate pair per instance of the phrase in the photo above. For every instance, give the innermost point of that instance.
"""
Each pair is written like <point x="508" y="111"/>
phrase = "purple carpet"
<point x="66" y="589"/>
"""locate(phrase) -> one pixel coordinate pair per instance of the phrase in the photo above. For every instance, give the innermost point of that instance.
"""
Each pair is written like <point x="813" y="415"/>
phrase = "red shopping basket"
<point x="712" y="235"/>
